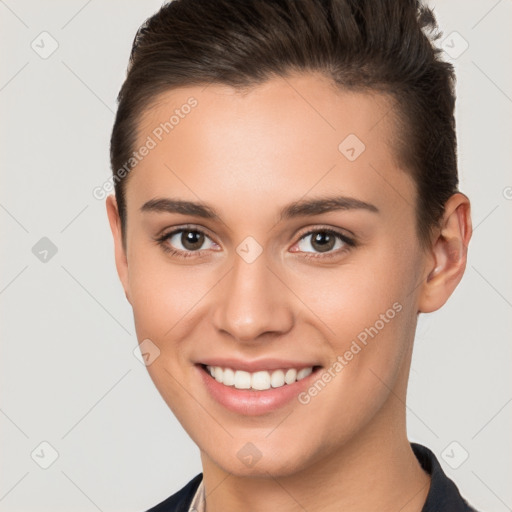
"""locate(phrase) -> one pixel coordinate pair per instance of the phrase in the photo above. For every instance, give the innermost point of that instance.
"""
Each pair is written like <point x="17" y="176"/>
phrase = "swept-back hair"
<point x="386" y="46"/>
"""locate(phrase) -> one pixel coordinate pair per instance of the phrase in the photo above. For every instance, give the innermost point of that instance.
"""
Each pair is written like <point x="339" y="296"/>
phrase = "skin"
<point x="248" y="155"/>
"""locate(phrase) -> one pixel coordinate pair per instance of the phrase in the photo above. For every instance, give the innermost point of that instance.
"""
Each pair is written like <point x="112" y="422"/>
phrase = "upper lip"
<point x="257" y="365"/>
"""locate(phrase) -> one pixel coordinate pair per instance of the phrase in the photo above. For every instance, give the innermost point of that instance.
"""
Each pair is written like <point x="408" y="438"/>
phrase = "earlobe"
<point x="448" y="255"/>
<point x="120" y="254"/>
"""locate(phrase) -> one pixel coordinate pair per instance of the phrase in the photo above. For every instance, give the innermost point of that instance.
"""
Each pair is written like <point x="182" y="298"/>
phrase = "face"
<point x="304" y="255"/>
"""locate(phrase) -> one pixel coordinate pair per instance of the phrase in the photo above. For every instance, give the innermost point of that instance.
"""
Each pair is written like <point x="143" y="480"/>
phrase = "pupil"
<point x="192" y="239"/>
<point x="325" y="241"/>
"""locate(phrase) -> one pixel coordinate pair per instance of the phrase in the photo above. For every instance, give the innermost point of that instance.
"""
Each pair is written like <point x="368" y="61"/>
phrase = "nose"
<point x="252" y="301"/>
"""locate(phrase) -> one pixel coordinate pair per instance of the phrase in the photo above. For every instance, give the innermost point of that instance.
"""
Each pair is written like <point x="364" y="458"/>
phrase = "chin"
<point x="261" y="458"/>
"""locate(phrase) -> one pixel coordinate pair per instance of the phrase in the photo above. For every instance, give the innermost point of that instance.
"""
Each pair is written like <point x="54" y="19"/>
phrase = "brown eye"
<point x="192" y="240"/>
<point x="324" y="241"/>
<point x="186" y="241"/>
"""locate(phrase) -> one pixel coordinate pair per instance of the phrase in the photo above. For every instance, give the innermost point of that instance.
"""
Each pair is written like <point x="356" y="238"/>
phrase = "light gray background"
<point x="68" y="374"/>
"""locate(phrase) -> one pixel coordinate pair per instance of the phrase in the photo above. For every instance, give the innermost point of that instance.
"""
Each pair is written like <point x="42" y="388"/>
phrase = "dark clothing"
<point x="443" y="495"/>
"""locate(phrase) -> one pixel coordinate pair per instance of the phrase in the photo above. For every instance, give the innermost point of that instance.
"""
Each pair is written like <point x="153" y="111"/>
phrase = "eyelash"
<point x="349" y="243"/>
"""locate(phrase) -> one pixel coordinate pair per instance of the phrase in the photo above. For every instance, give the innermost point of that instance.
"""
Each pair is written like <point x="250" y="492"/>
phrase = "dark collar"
<point x="443" y="495"/>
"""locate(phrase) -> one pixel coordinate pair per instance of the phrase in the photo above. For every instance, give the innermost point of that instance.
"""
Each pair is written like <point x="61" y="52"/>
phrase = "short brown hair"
<point x="372" y="45"/>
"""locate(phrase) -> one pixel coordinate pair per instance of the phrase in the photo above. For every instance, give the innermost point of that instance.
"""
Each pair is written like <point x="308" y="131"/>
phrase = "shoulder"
<point x="180" y="500"/>
<point x="444" y="494"/>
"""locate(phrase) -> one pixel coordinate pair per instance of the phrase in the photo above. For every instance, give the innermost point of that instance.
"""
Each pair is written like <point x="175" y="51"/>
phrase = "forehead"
<point x="272" y="107"/>
<point x="287" y="136"/>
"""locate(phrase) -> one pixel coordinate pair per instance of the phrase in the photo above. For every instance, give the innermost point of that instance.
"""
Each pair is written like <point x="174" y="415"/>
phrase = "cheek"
<point x="162" y="293"/>
<point x="153" y="298"/>
<point x="365" y="374"/>
<point x="366" y="312"/>
<point x="164" y="298"/>
<point x="350" y="298"/>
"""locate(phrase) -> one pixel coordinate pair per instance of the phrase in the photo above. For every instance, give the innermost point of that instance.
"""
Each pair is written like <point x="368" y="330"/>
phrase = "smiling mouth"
<point x="260" y="380"/>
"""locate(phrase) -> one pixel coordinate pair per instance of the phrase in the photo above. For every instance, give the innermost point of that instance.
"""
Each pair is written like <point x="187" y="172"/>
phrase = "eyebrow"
<point x="302" y="207"/>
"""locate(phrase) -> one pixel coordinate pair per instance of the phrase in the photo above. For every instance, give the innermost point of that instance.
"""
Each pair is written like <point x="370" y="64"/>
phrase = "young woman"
<point x="286" y="205"/>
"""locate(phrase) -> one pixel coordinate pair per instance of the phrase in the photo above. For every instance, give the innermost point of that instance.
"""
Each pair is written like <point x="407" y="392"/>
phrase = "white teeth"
<point x="260" y="380"/>
<point x="290" y="376"/>
<point x="277" y="379"/>
<point x="228" y="377"/>
<point x="304" y="373"/>
<point x="242" y="379"/>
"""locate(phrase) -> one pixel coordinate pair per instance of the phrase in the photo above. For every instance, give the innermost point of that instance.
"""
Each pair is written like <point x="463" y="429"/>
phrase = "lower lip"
<point x="254" y="403"/>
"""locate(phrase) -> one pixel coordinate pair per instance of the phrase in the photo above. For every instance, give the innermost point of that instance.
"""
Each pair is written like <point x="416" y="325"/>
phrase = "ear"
<point x="448" y="254"/>
<point x="120" y="254"/>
